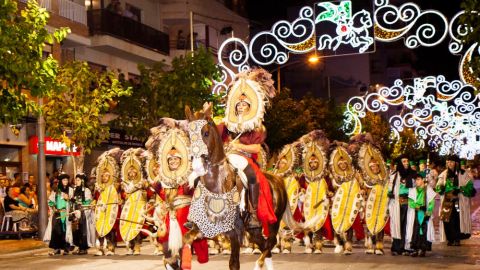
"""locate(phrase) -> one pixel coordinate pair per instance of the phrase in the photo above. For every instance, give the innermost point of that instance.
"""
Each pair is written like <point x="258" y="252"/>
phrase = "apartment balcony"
<point x="104" y="22"/>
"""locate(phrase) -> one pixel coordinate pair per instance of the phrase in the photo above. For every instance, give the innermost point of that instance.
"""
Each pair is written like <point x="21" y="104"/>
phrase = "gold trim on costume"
<point x="131" y="160"/>
<point x="289" y="152"/>
<point x="152" y="167"/>
<point x="340" y="154"/>
<point x="368" y="153"/>
<point x="106" y="164"/>
<point x="313" y="150"/>
<point x="177" y="141"/>
<point x="251" y="92"/>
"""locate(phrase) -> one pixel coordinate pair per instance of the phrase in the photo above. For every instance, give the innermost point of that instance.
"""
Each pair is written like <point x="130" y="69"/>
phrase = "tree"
<point x="286" y="120"/>
<point x="75" y="113"/>
<point x="379" y="128"/>
<point x="471" y="17"/>
<point x="164" y="91"/>
<point x="22" y="65"/>
<point x="325" y="115"/>
<point x="407" y="144"/>
<point x="289" y="119"/>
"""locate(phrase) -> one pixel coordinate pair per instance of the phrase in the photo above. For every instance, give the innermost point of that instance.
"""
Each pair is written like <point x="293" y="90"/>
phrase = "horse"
<point x="220" y="179"/>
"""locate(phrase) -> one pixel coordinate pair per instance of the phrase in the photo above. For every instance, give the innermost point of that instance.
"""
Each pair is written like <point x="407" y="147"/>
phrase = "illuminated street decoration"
<point x="350" y="30"/>
<point x="393" y="23"/>
<point x="237" y="59"/>
<point x="298" y="37"/>
<point x="444" y="115"/>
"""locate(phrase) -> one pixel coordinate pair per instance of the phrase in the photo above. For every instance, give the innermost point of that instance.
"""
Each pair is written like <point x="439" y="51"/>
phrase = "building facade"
<point x="118" y="35"/>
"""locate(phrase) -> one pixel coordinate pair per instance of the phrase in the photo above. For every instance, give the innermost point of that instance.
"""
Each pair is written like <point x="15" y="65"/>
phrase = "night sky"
<point x="431" y="61"/>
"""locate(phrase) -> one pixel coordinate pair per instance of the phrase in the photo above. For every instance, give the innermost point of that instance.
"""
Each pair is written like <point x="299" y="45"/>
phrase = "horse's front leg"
<point x="234" y="262"/>
<point x="186" y="253"/>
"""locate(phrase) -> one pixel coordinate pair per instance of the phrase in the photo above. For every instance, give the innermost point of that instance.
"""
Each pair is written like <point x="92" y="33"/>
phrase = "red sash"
<point x="265" y="211"/>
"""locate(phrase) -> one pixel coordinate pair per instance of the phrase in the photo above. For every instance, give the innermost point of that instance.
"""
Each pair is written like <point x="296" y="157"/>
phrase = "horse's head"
<point x="362" y="20"/>
<point x="206" y="146"/>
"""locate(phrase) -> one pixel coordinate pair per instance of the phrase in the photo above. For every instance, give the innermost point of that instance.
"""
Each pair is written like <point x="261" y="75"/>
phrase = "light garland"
<point x="449" y="127"/>
<point x="388" y="16"/>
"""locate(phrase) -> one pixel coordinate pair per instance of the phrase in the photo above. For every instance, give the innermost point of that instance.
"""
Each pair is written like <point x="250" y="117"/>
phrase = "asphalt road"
<point x="465" y="257"/>
<point x="442" y="257"/>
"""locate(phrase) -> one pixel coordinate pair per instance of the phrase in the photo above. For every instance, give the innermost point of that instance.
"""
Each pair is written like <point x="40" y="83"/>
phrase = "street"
<point x="443" y="257"/>
<point x="467" y="256"/>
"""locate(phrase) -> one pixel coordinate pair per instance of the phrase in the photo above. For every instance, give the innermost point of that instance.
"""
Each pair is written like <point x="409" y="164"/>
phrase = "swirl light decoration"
<point x="393" y="23"/>
<point x="443" y="114"/>
<point x="297" y="37"/>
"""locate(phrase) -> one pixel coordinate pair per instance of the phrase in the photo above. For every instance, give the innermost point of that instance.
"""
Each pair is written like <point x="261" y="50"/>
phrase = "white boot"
<point x="268" y="263"/>
<point x="308" y="248"/>
<point x="338" y="249"/>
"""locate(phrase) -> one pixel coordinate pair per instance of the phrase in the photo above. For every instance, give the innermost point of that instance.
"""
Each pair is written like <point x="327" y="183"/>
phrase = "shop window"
<point x="9" y="154"/>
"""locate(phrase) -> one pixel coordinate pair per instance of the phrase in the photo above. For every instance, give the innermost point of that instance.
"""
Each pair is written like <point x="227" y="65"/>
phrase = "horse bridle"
<point x="197" y="145"/>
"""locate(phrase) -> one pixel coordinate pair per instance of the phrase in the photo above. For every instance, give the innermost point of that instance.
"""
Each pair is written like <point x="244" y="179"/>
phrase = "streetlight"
<point x="312" y="59"/>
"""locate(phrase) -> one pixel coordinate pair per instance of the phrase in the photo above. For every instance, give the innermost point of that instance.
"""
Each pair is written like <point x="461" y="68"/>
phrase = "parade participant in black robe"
<point x="59" y="232"/>
<point x="402" y="180"/>
<point x="83" y="226"/>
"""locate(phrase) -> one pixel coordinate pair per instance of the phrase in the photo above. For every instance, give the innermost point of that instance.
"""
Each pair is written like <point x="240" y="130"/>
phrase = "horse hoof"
<point x="226" y="252"/>
<point x="318" y="251"/>
<point x="286" y="251"/>
<point x="257" y="251"/>
<point x="276" y="250"/>
<point x="308" y="250"/>
<point x="379" y="252"/>
<point x="347" y="252"/>
<point x="369" y="251"/>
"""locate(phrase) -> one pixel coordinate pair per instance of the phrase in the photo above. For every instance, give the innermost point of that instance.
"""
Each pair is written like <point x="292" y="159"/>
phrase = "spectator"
<point x="48" y="184"/>
<point x="115" y="7"/>
<point x="181" y="41"/>
<point x="24" y="197"/>
<point x="4" y="183"/>
<point x="128" y="13"/>
<point x="17" y="180"/>
<point x="18" y="212"/>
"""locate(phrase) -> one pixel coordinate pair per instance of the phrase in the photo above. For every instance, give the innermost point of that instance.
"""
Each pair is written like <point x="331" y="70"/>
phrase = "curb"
<point x="30" y="252"/>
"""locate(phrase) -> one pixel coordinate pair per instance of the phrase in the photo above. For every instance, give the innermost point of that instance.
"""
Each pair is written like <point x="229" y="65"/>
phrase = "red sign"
<point x="53" y="147"/>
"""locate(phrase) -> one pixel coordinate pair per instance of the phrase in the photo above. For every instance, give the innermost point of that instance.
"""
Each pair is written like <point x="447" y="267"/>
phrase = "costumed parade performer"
<point x="134" y="187"/>
<point x="400" y="184"/>
<point x="376" y="179"/>
<point x="58" y="234"/>
<point x="169" y="148"/>
<point x="288" y="160"/>
<point x="317" y="195"/>
<point x="456" y="189"/>
<point x="347" y="201"/>
<point x="83" y="225"/>
<point x="421" y="202"/>
<point x="107" y="201"/>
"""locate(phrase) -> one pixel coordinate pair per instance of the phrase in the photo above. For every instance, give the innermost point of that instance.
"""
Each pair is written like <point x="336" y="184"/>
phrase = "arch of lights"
<point x="443" y="114"/>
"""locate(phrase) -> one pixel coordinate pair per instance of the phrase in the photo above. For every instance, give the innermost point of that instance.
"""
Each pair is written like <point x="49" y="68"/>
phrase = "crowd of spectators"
<point x="19" y="200"/>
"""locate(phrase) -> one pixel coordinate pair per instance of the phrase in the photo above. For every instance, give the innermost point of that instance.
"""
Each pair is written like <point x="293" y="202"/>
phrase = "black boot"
<point x="253" y="191"/>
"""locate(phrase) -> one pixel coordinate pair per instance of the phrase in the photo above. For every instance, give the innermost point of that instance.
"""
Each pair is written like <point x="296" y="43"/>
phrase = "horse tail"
<point x="281" y="203"/>
<point x="290" y="221"/>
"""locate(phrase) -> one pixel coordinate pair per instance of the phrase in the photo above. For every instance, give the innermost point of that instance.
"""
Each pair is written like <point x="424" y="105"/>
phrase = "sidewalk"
<point x="24" y="245"/>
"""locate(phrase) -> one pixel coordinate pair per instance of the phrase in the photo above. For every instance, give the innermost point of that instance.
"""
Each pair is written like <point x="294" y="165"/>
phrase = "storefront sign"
<point x="121" y="139"/>
<point x="53" y="147"/>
